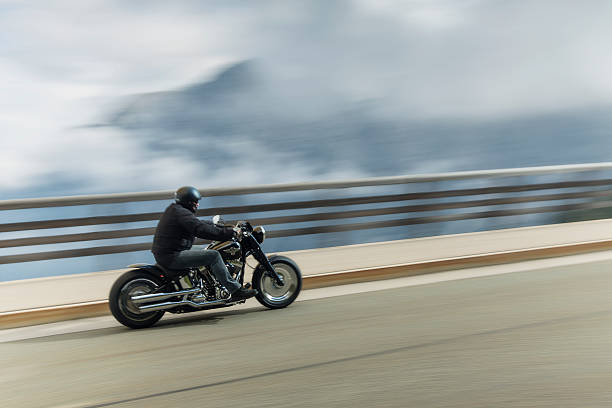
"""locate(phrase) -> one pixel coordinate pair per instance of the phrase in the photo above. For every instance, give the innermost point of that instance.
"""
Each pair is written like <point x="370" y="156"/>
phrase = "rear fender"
<point x="152" y="270"/>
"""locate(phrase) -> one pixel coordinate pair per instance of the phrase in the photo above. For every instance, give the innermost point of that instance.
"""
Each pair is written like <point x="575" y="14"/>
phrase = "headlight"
<point x="260" y="234"/>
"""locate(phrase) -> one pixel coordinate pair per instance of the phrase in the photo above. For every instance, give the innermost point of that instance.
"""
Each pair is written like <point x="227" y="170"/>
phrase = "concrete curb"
<point x="32" y="317"/>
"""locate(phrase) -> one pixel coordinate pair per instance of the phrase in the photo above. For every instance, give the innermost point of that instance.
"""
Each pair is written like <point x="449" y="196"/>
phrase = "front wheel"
<point x="133" y="283"/>
<point x="275" y="296"/>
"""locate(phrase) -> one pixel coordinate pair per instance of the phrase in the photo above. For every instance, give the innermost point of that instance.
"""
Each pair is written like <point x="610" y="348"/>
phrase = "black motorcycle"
<point x="141" y="296"/>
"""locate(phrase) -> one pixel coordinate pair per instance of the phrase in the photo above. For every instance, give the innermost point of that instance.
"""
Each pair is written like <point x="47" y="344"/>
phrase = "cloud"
<point x="64" y="63"/>
<point x="113" y="44"/>
<point x="455" y="59"/>
<point x="424" y="15"/>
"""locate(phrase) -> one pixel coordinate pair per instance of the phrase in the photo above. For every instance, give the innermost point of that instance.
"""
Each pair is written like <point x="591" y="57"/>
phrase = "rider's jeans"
<point x="206" y="257"/>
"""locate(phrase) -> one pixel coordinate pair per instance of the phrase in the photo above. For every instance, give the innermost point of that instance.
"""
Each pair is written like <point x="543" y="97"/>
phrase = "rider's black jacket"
<point x="177" y="230"/>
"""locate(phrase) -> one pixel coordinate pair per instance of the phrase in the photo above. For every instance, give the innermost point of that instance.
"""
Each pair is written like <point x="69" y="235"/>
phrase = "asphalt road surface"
<point x="527" y="339"/>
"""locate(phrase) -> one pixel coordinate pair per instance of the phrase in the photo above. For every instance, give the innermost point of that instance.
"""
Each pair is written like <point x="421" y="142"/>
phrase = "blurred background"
<point x="113" y="96"/>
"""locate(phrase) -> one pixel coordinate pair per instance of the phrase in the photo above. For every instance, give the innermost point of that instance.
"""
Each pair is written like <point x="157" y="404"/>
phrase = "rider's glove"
<point x="237" y="233"/>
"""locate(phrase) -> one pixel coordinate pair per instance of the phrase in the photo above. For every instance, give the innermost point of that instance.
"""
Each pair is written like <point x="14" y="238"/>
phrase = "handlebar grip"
<point x="245" y="225"/>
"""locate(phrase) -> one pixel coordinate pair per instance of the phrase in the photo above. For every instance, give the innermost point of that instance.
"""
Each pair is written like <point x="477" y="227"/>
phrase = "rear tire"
<point x="272" y="295"/>
<point x="130" y="284"/>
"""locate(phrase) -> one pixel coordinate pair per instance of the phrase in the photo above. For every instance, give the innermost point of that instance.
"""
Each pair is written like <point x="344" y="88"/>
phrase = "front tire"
<point x="272" y="295"/>
<point x="130" y="284"/>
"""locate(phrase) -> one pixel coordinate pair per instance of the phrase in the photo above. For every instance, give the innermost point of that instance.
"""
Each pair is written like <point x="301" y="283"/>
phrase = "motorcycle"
<point x="141" y="296"/>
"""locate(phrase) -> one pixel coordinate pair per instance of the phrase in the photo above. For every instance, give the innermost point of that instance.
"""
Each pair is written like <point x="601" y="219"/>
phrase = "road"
<point x="539" y="338"/>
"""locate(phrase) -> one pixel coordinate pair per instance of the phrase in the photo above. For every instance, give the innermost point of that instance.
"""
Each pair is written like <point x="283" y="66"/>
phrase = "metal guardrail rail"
<point x="505" y="197"/>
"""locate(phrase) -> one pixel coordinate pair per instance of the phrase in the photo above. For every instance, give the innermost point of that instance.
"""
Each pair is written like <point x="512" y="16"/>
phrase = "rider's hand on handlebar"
<point x="245" y="226"/>
<point x="237" y="233"/>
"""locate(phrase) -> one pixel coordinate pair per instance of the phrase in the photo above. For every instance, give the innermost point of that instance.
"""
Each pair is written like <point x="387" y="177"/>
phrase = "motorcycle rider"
<point x="176" y="232"/>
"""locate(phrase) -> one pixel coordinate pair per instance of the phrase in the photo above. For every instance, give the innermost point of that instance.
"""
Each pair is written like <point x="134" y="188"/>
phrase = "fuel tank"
<point x="227" y="249"/>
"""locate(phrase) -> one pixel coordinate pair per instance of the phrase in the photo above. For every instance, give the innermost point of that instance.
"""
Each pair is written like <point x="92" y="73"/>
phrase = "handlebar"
<point x="245" y="225"/>
<point x="242" y="228"/>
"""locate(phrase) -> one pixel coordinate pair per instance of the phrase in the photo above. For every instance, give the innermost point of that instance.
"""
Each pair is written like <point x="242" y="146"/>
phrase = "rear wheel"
<point x="273" y="295"/>
<point x="133" y="283"/>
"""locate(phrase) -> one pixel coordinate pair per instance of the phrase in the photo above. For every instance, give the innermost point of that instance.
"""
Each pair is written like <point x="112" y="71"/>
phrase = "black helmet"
<point x="187" y="196"/>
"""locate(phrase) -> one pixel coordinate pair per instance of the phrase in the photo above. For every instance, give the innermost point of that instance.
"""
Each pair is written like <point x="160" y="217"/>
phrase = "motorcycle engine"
<point x="222" y="293"/>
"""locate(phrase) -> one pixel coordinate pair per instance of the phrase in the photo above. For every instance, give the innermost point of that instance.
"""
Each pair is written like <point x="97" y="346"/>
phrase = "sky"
<point x="67" y="63"/>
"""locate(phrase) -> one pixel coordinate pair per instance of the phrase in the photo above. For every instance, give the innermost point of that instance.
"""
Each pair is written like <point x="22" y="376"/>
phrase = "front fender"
<point x="278" y="258"/>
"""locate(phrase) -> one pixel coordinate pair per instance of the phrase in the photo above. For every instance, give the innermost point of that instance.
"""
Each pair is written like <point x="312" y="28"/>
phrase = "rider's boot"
<point x="243" y="293"/>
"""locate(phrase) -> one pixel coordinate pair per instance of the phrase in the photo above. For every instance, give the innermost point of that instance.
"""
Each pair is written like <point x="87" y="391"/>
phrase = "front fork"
<point x="263" y="260"/>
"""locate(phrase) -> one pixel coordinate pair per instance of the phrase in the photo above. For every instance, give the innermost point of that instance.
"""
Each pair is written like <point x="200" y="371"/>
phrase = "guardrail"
<point x="370" y="203"/>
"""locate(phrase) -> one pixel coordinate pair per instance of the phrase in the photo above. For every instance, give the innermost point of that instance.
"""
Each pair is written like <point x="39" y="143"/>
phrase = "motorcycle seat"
<point x="172" y="273"/>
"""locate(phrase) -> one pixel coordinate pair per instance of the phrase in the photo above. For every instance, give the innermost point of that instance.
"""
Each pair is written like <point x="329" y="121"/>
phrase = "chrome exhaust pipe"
<point x="140" y="299"/>
<point x="170" y="305"/>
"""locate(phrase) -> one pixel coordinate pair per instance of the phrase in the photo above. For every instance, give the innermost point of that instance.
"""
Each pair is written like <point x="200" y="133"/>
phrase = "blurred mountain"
<point x="201" y="106"/>
<point x="246" y="110"/>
